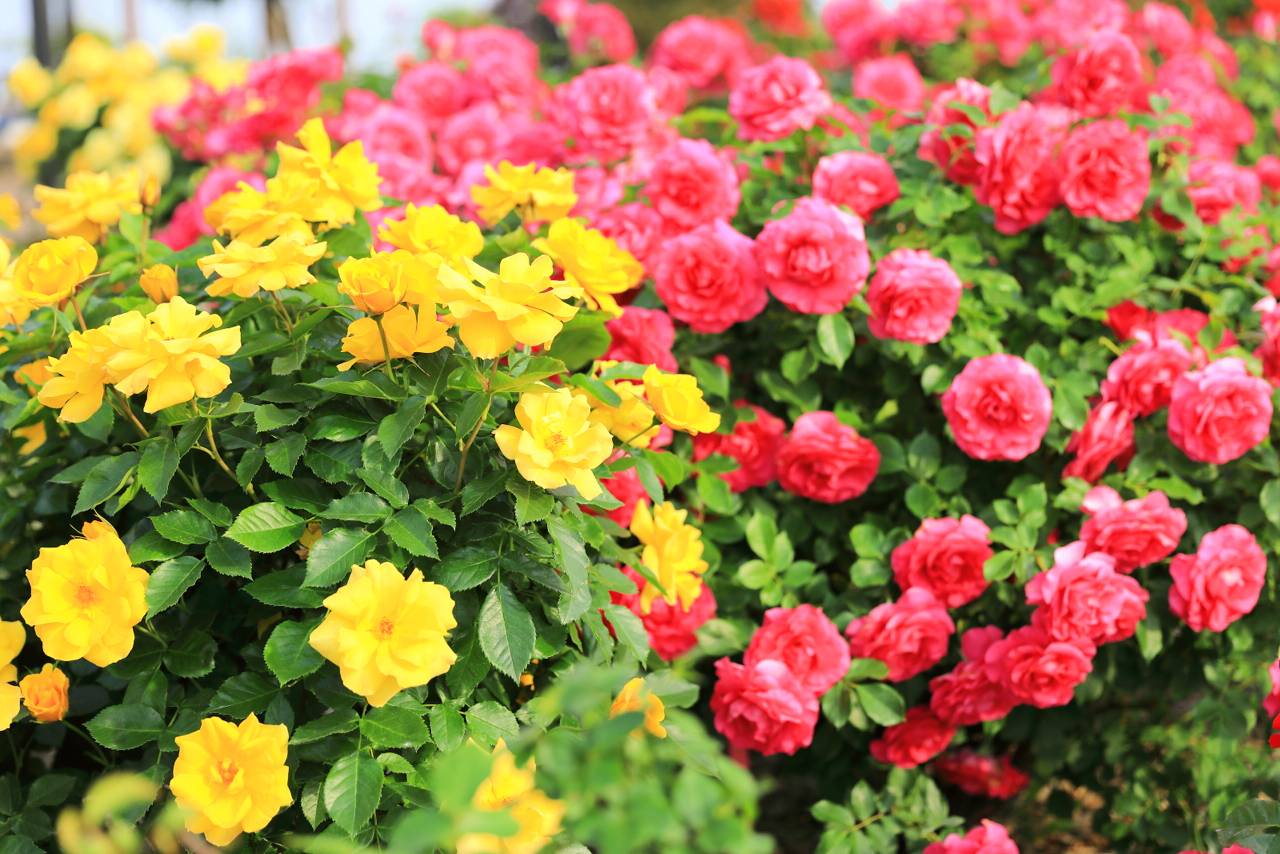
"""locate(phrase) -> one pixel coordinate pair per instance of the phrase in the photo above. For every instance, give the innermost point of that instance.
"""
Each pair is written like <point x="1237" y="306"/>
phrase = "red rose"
<point x="1018" y="166"/>
<point x="806" y="641"/>
<point x="1221" y="582"/>
<point x="909" y="635"/>
<point x="1218" y="187"/>
<point x="1082" y="596"/>
<point x="987" y="838"/>
<point x="1268" y="171"/>
<point x="913" y="297"/>
<point x="980" y="775"/>
<point x="1101" y="78"/>
<point x="785" y="17"/>
<point x="915" y="741"/>
<point x="1268" y="351"/>
<point x="1271" y="702"/>
<point x="706" y="53"/>
<point x="773" y="100"/>
<point x="1220" y="413"/>
<point x="954" y="154"/>
<point x="893" y="83"/>
<point x="945" y="557"/>
<point x="762" y="707"/>
<point x="707" y="278"/>
<point x="1037" y="669"/>
<point x="967" y="695"/>
<point x="672" y="630"/>
<point x="824" y="460"/>
<point x="1141" y="379"/>
<point x="690" y="184"/>
<point x="1135" y="533"/>
<point x="1105" y="438"/>
<point x="814" y="259"/>
<point x="601" y="30"/>
<point x="753" y="444"/>
<point x="607" y="110"/>
<point x="859" y="180"/>
<point x="1106" y="171"/>
<point x="998" y="408"/>
<point x="635" y="227"/>
<point x="643" y="336"/>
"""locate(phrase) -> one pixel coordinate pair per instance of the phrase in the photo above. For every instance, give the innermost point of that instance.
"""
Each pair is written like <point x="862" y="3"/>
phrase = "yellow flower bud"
<point x="150" y="191"/>
<point x="45" y="694"/>
<point x="635" y="697"/>
<point x="159" y="282"/>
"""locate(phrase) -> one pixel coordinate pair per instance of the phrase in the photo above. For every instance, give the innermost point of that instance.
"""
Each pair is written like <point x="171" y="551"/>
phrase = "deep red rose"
<point x="672" y="630"/>
<point x="954" y="153"/>
<point x="945" y="557"/>
<point x="753" y="444"/>
<point x="967" y="695"/>
<point x="915" y="741"/>
<point x="980" y="775"/>
<point x="1105" y="438"/>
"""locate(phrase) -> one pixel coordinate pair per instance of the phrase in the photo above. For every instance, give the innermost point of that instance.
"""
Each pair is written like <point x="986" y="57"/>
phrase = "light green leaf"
<point x="126" y="726"/>
<point x="352" y="790"/>
<point x="333" y="555"/>
<point x="266" y="527"/>
<point x="169" y="581"/>
<point x="506" y="632"/>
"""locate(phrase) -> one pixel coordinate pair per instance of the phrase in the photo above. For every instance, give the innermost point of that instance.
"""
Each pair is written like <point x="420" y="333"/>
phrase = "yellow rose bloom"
<point x="89" y="205"/>
<point x="10" y="213"/>
<point x="341" y="183"/>
<point x="30" y="82"/>
<point x="678" y="401"/>
<point x="33" y="437"/>
<point x="14" y="310"/>
<point x="255" y="217"/>
<point x="79" y="377"/>
<point x="48" y="271"/>
<point x="513" y="788"/>
<point x="45" y="694"/>
<point x="538" y="194"/>
<point x="243" y="269"/>
<point x="38" y="143"/>
<point x="382" y="281"/>
<point x="432" y="230"/>
<point x="631" y="421"/>
<point x="231" y="779"/>
<point x="635" y="697"/>
<point x="74" y="107"/>
<point x="12" y="638"/>
<point x="591" y="261"/>
<point x="519" y="304"/>
<point x="409" y="331"/>
<point x="672" y="552"/>
<point x="86" y="598"/>
<point x="202" y="43"/>
<point x="556" y="442"/>
<point x="159" y="282"/>
<point x="386" y="632"/>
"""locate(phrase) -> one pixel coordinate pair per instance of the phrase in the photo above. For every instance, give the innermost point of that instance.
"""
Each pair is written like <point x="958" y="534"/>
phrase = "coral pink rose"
<point x="643" y="336"/>
<point x="909" y="635"/>
<point x="1003" y="25"/>
<point x="434" y="90"/>
<point x="824" y="460"/>
<point x="635" y="227"/>
<point x="1221" y="582"/>
<point x="1066" y="24"/>
<point x="1100" y="78"/>
<point x="601" y="30"/>
<point x="707" y="54"/>
<point x="980" y="775"/>
<point x="1037" y="669"/>
<point x="1106" y="171"/>
<point x="987" y="838"/>
<point x="753" y="444"/>
<point x="893" y="83"/>
<point x="691" y="184"/>
<point x="672" y="630"/>
<point x="708" y="279"/>
<point x="1083" y="596"/>
<point x="1019" y="166"/>
<point x="763" y="707"/>
<point x="475" y="135"/>
<point x="967" y="695"/>
<point x="814" y="259"/>
<point x="915" y="741"/>
<point x="606" y="110"/>
<point x="859" y="28"/>
<point x="1268" y="171"/>
<point x="773" y="100"/>
<point x="1220" y="413"/>
<point x="913" y="297"/>
<point x="998" y="408"/>
<point x="1105" y="438"/>
<point x="1137" y="532"/>
<point x="1217" y="187"/>
<point x="954" y="153"/>
<point x="924" y="23"/>
<point x="806" y="641"/>
<point x="1141" y="379"/>
<point x="1166" y="28"/>
<point x="945" y="557"/>
<point x="859" y="180"/>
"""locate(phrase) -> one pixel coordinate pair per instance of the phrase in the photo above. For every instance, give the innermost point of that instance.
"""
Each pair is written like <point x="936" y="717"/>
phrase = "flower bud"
<point x="159" y="282"/>
<point x="45" y="694"/>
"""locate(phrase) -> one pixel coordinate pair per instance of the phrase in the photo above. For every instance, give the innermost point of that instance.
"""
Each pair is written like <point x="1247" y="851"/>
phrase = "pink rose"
<point x="967" y="695"/>
<point x="954" y="153"/>
<point x="643" y="336"/>
<point x="859" y="28"/>
<point x="1268" y="171"/>
<point x="945" y="557"/>
<point x="607" y="110"/>
<point x="598" y="189"/>
<point x="672" y="630"/>
<point x="915" y="741"/>
<point x="1004" y="25"/>
<point x="1268" y="352"/>
<point x="987" y="838"/>
<point x="1218" y="187"/>
<point x="859" y="180"/>
<point x="601" y="30"/>
<point x="1083" y="596"/>
<point x="824" y="460"/>
<point x="1106" y="171"/>
<point x="1018" y="166"/>
<point x="1166" y="28"/>
<point x="909" y="635"/>
<point x="1141" y="379"/>
<point x="753" y="444"/>
<point x="913" y="297"/>
<point x="635" y="227"/>
<point x="1065" y="24"/>
<point x="924" y="23"/>
<point x="474" y="135"/>
<point x="1271" y="702"/>
<point x="893" y="83"/>
<point x="814" y="259"/>
<point x="1221" y="582"/>
<point x="707" y="278"/>
<point x="998" y="408"/>
<point x="1101" y="78"/>
<point x="763" y="707"/>
<point x="980" y="775"/>
<point x="691" y="183"/>
<point x="1037" y="669"/>
<point x="1137" y="532"/>
<point x="1105" y="438"/>
<point x="434" y="90"/>
<point x="1220" y="413"/>
<point x="530" y="141"/>
<point x="706" y="53"/>
<point x="806" y="641"/>
<point x="773" y="100"/>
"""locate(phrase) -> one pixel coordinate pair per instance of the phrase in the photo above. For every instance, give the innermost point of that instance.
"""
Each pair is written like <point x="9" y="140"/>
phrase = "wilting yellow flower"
<point x="385" y="279"/>
<point x="537" y="194"/>
<point x="386" y="632"/>
<point x="159" y="282"/>
<point x="513" y="788"/>
<point x="409" y="331"/>
<point x="341" y="182"/>
<point x="86" y="598"/>
<point x="231" y="779"/>
<point x="14" y="310"/>
<point x="631" y="421"/>
<point x="79" y="377"/>
<point x="244" y="269"/>
<point x="591" y="261"/>
<point x="432" y="230"/>
<point x="556" y="442"/>
<point x="47" y="272"/>
<point x="10" y="212"/>
<point x="12" y="638"/>
<point x="518" y="304"/>
<point x="45" y="694"/>
<point x="30" y="82"/>
<point x="678" y="401"/>
<point x="89" y="205"/>
<point x="672" y="552"/>
<point x="635" y="697"/>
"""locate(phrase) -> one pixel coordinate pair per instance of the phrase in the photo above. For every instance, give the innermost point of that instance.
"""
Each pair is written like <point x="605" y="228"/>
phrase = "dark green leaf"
<point x="394" y="727"/>
<point x="229" y="558"/>
<point x="466" y="568"/>
<point x="333" y="555"/>
<point x="352" y="790"/>
<point x="412" y="531"/>
<point x="157" y="467"/>
<point x="396" y="428"/>
<point x="506" y="631"/>
<point x="184" y="526"/>
<point x="287" y="653"/>
<point x="104" y="480"/>
<point x="169" y="581"/>
<point x="125" y="727"/>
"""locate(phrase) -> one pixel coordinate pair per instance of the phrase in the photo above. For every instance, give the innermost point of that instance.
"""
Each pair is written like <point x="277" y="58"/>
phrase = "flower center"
<point x="555" y="440"/>
<point x="85" y="595"/>
<point x="227" y="771"/>
<point x="385" y="628"/>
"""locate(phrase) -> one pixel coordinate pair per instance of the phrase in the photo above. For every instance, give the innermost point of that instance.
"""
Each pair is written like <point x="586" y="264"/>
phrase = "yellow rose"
<point x="231" y="779"/>
<point x="591" y="261"/>
<point x="341" y="183"/>
<point x="519" y="304"/>
<point x="408" y="331"/>
<point x="75" y="107"/>
<point x="631" y="421"/>
<point x="678" y="401"/>
<point x="14" y="310"/>
<point x="243" y="269"/>
<point x="556" y="442"/>
<point x="202" y="43"/>
<point x="386" y="632"/>
<point x="38" y="143"/>
<point x="254" y="216"/>
<point x="79" y="377"/>
<point x="10" y="215"/>
<point x="159" y="282"/>
<point x="385" y="279"/>
<point x="30" y="82"/>
<point x="432" y="230"/>
<point x="48" y="272"/>
<point x="86" y="598"/>
<point x="538" y="194"/>
<point x="635" y="697"/>
<point x="513" y="788"/>
<point x="672" y="553"/>
<point x="45" y="694"/>
<point x="12" y="638"/>
<point x="89" y="205"/>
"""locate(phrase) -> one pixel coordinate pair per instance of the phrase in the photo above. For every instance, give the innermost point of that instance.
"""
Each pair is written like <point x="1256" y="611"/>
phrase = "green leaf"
<point x="394" y="727"/>
<point x="352" y="790"/>
<point x="152" y="547"/>
<point x="104" y="480"/>
<point x="192" y="655"/>
<point x="882" y="703"/>
<point x="250" y="463"/>
<point x="867" y="668"/>
<point x="468" y="567"/>
<point x="477" y="492"/>
<point x="630" y="630"/>
<point x="412" y="531"/>
<point x="269" y="417"/>
<point x="1000" y="565"/>
<point x="506" y="632"/>
<point x="337" y="721"/>
<point x="283" y="454"/>
<point x="357" y="507"/>
<point x="288" y="655"/>
<point x="1269" y="498"/>
<point x="374" y="386"/>
<point x="333" y="555"/>
<point x="266" y="527"/>
<point x="126" y="726"/>
<point x="583" y="340"/>
<point x="169" y="581"/>
<point x="242" y="694"/>
<point x="50" y="790"/>
<point x="157" y="467"/>
<point x="283" y="589"/>
<point x="489" y="721"/>
<point x="398" y="427"/>
<point x="385" y="484"/>
<point x="447" y="727"/>
<point x="834" y="339"/>
<point x="533" y="503"/>
<point x="184" y="526"/>
<point x="229" y="558"/>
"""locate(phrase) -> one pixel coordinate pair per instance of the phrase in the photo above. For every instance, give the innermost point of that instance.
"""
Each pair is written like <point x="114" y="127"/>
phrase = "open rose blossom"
<point x="806" y="641"/>
<point x="708" y="279"/>
<point x="672" y="630"/>
<point x="763" y="707"/>
<point x="861" y="181"/>
<point x="814" y="259"/>
<point x="913" y="297"/>
<point x="909" y="635"/>
<point x="987" y="838"/>
<point x="753" y="444"/>
<point x="1220" y="413"/>
<point x="706" y="53"/>
<point x="635" y="227"/>
<point x="690" y="184"/>
<point x="998" y="408"/>
<point x="642" y="335"/>
<point x="607" y="111"/>
<point x="1105" y="438"/>
<point x="915" y="741"/>
<point x="945" y="557"/>
<point x="1019" y="166"/>
<point x="1138" y="532"/>
<point x="824" y="460"/>
<point x="1102" y="77"/>
<point x="1037" y="669"/>
<point x="773" y="100"/>
<point x="980" y="775"/>
<point x="1082" y="596"/>
<point x="1106" y="171"/>
<point x="1218" y="187"/>
<point x="1141" y="379"/>
<point x="1221" y="582"/>
<point x="893" y="83"/>
<point x="968" y="695"/>
<point x="953" y="153"/>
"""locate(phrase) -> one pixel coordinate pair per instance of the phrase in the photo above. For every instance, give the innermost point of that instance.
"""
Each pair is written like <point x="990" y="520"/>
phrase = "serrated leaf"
<point x="357" y="507"/>
<point x="630" y="630"/>
<point x="228" y="557"/>
<point x="395" y="429"/>
<point x="352" y="789"/>
<point x="337" y="721"/>
<point x="394" y="727"/>
<point x="447" y="726"/>
<point x="184" y="526"/>
<point x="169" y="581"/>
<point x="882" y="703"/>
<point x="158" y="465"/>
<point x="533" y="503"/>
<point x="468" y="567"/>
<point x="490" y="721"/>
<point x="283" y="454"/>
<point x="331" y="558"/>
<point x="269" y="417"/>
<point x="191" y="656"/>
<point x="241" y="695"/>
<point x="506" y="631"/>
<point x="288" y="655"/>
<point x="411" y="530"/>
<point x="266" y="527"/>
<point x="478" y="492"/>
<point x="104" y="480"/>
<point x="283" y="589"/>
<point x="125" y="727"/>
